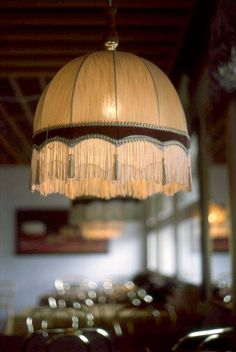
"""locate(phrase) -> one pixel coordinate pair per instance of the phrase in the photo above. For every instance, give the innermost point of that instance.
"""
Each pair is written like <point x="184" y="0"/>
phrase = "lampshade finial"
<point x="111" y="39"/>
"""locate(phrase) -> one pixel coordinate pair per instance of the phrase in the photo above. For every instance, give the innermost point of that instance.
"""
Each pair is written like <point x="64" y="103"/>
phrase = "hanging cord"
<point x="111" y="38"/>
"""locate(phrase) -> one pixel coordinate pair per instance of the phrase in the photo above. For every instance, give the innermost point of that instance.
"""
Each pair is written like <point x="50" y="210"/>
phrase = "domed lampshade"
<point x="110" y="124"/>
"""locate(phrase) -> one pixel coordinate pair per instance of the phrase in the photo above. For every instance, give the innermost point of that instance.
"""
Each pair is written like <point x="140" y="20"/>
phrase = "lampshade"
<point x="96" y="230"/>
<point x="104" y="219"/>
<point x="218" y="222"/>
<point x="94" y="209"/>
<point x="110" y="124"/>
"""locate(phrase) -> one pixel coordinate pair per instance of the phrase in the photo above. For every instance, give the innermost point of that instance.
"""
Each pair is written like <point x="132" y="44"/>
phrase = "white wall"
<point x="34" y="275"/>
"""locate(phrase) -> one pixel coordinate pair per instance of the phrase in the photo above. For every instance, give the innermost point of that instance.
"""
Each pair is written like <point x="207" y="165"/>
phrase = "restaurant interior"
<point x="117" y="175"/>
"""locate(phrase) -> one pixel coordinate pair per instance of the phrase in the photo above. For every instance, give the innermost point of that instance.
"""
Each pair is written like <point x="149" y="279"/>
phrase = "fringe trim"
<point x="99" y="230"/>
<point x="95" y="167"/>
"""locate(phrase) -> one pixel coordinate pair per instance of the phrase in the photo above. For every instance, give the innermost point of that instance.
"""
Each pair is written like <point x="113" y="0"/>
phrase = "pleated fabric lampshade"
<point x="100" y="210"/>
<point x="104" y="219"/>
<point x="110" y="124"/>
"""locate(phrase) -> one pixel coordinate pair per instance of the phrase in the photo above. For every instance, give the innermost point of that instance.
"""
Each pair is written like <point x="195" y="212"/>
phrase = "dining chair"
<point x="82" y="340"/>
<point x="36" y="341"/>
<point x="200" y="340"/>
<point x="224" y="341"/>
<point x="73" y="342"/>
<point x="100" y="339"/>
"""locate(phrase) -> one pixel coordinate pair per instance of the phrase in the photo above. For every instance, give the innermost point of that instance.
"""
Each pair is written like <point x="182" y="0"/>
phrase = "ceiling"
<point x="38" y="37"/>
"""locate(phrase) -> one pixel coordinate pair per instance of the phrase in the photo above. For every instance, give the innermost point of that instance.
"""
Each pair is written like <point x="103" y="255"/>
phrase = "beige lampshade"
<point x="110" y="124"/>
<point x="104" y="219"/>
<point x="94" y="209"/>
<point x="218" y="222"/>
<point x="99" y="230"/>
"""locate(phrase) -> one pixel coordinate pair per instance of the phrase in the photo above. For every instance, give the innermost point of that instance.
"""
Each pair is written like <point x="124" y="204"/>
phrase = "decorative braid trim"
<point x="115" y="124"/>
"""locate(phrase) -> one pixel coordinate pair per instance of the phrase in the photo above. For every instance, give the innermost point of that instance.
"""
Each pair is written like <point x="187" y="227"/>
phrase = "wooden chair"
<point x="83" y="340"/>
<point x="36" y="342"/>
<point x="73" y="342"/>
<point x="100" y="339"/>
<point x="202" y="339"/>
<point x="10" y="343"/>
<point x="224" y="341"/>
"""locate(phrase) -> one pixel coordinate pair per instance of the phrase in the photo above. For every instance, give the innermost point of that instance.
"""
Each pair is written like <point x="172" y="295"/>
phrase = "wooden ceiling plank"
<point x="22" y="72"/>
<point x="22" y="101"/>
<point x="31" y="63"/>
<point x="25" y="51"/>
<point x="75" y="4"/>
<point x="181" y="37"/>
<point x="129" y="34"/>
<point x="80" y="20"/>
<point x="49" y="66"/>
<point x="9" y="149"/>
<point x="9" y="120"/>
<point x="38" y="51"/>
<point x="42" y="82"/>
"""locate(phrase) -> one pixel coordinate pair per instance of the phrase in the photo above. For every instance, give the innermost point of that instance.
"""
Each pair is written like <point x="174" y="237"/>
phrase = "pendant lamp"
<point x="104" y="219"/>
<point x="110" y="124"/>
<point x="101" y="231"/>
<point x="218" y="221"/>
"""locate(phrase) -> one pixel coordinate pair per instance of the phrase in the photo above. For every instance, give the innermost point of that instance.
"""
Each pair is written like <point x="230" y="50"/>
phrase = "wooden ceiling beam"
<point x="75" y="4"/>
<point x="20" y="96"/>
<point x="181" y="37"/>
<point x="151" y="19"/>
<point x="67" y="36"/>
<point x="5" y="159"/>
<point x="42" y="82"/>
<point x="17" y="132"/>
<point x="22" y="72"/>
<point x="51" y="63"/>
<point x="31" y="63"/>
<point x="50" y="50"/>
<point x="7" y="147"/>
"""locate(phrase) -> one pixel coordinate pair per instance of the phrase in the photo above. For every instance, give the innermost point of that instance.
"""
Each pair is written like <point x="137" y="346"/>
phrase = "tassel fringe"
<point x="95" y="167"/>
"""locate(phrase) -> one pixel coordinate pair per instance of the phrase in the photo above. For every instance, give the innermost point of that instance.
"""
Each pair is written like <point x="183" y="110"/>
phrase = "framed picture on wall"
<point x="46" y="231"/>
<point x="220" y="244"/>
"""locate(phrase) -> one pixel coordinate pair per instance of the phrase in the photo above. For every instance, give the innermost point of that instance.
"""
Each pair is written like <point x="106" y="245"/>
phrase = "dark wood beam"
<point x="165" y="49"/>
<point x="17" y="132"/>
<point x="88" y="35"/>
<point x="150" y="19"/>
<point x="22" y="72"/>
<point x="42" y="82"/>
<point x="31" y="63"/>
<point x="181" y="37"/>
<point x="10" y="150"/>
<point x="75" y="4"/>
<point x="22" y="101"/>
